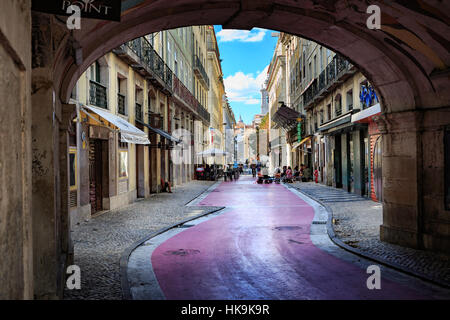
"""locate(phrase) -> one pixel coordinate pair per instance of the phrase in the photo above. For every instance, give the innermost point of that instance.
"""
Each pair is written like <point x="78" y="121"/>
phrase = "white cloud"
<point x="245" y="88"/>
<point x="255" y="35"/>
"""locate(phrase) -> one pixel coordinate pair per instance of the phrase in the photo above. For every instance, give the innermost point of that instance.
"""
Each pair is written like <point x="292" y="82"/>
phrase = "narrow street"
<point x="262" y="247"/>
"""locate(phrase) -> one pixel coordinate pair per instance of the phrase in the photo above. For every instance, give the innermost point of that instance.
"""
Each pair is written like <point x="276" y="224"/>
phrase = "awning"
<point x="161" y="133"/>
<point x="286" y="117"/>
<point x="366" y="114"/>
<point x="128" y="132"/>
<point x="298" y="144"/>
<point x="345" y="119"/>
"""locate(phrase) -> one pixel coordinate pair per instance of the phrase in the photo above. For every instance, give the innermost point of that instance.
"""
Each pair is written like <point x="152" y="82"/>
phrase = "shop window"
<point x="123" y="164"/>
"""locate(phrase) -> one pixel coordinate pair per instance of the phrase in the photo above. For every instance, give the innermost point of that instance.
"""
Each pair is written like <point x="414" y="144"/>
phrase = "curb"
<point x="334" y="238"/>
<point x="123" y="264"/>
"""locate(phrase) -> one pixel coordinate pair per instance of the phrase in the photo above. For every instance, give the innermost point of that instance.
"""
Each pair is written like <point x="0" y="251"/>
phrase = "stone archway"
<point x="407" y="60"/>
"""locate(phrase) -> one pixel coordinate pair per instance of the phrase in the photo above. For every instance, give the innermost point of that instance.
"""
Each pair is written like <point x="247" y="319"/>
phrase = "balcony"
<point x="121" y="104"/>
<point x="140" y="54"/>
<point x="336" y="72"/>
<point x="139" y="113"/>
<point x="183" y="94"/>
<point x="199" y="70"/>
<point x="97" y="95"/>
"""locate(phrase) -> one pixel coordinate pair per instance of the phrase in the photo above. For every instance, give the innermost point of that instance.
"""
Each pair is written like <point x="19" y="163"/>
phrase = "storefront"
<point x="102" y="158"/>
<point x="373" y="145"/>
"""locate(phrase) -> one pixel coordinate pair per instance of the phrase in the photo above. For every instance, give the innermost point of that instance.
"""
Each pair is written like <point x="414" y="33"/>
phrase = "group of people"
<point x="285" y="174"/>
<point x="207" y="172"/>
<point x="231" y="172"/>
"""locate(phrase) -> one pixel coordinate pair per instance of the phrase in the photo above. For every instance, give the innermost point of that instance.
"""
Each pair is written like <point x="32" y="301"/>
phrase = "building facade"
<point x="327" y="117"/>
<point x="139" y="110"/>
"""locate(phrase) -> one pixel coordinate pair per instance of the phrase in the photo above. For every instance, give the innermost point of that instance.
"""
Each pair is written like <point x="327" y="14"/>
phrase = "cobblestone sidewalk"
<point x="100" y="242"/>
<point x="357" y="224"/>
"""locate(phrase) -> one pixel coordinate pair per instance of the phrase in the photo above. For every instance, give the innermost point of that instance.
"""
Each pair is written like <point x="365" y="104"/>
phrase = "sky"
<point x="246" y="56"/>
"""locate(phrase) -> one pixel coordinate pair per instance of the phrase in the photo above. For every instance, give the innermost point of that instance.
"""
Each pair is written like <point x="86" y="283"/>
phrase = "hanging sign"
<point x="96" y="9"/>
<point x="299" y="132"/>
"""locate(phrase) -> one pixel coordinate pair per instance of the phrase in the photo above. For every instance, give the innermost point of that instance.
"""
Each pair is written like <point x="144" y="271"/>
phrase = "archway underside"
<point x="407" y="60"/>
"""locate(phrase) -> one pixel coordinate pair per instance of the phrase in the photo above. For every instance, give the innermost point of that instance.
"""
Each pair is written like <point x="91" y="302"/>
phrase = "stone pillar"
<point x="414" y="214"/>
<point x="68" y="114"/>
<point x="16" y="247"/>
<point x="49" y="181"/>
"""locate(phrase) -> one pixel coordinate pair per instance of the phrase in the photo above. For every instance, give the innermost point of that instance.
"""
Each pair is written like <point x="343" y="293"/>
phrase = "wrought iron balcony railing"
<point x="334" y="71"/>
<point x="150" y="59"/>
<point x="139" y="112"/>
<point x="180" y="90"/>
<point x="121" y="104"/>
<point x="98" y="95"/>
<point x="200" y="70"/>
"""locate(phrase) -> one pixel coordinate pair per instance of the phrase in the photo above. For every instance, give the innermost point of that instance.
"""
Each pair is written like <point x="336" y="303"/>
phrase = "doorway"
<point x="140" y="171"/>
<point x="377" y="169"/>
<point x="337" y="161"/>
<point x="97" y="185"/>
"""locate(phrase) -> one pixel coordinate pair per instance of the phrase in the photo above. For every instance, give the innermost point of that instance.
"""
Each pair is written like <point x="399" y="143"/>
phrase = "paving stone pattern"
<point x="358" y="221"/>
<point x="100" y="242"/>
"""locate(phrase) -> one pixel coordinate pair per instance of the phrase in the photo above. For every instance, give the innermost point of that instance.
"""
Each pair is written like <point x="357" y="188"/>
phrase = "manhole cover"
<point x="181" y="252"/>
<point x="287" y="228"/>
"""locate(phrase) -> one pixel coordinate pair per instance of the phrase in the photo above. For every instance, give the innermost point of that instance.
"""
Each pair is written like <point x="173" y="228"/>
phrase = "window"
<point x="95" y="72"/>
<point x="309" y="72"/>
<point x="349" y="100"/>
<point x="315" y="67"/>
<point x="338" y="105"/>
<point x="329" y="112"/>
<point x="320" y="59"/>
<point x="73" y="169"/>
<point x="123" y="164"/>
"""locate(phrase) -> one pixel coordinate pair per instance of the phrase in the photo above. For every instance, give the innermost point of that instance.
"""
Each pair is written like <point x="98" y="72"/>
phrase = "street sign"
<point x="96" y="9"/>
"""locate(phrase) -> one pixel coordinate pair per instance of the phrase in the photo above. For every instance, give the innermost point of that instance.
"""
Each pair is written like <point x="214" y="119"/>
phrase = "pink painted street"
<point x="260" y="248"/>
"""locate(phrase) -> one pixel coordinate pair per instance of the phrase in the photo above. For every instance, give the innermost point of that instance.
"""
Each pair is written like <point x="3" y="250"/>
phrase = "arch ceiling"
<point x="407" y="60"/>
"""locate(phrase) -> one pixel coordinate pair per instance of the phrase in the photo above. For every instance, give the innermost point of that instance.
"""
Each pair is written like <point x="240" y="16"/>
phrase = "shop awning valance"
<point x="128" y="132"/>
<point x="162" y="133"/>
<point x="286" y="117"/>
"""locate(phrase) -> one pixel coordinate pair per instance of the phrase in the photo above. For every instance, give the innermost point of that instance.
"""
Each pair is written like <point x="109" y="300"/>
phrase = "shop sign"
<point x="96" y="9"/>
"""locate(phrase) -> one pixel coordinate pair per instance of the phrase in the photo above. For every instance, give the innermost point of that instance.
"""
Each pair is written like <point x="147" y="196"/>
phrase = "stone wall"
<point x="16" y="267"/>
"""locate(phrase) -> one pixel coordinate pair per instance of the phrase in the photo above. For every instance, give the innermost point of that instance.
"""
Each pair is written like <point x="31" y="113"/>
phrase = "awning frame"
<point x="129" y="135"/>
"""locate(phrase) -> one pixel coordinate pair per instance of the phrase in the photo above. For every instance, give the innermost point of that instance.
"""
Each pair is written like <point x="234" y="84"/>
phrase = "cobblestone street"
<point x="100" y="242"/>
<point x="357" y="224"/>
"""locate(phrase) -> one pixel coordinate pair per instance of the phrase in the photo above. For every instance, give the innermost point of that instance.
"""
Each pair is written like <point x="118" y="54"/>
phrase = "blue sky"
<point x="246" y="56"/>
